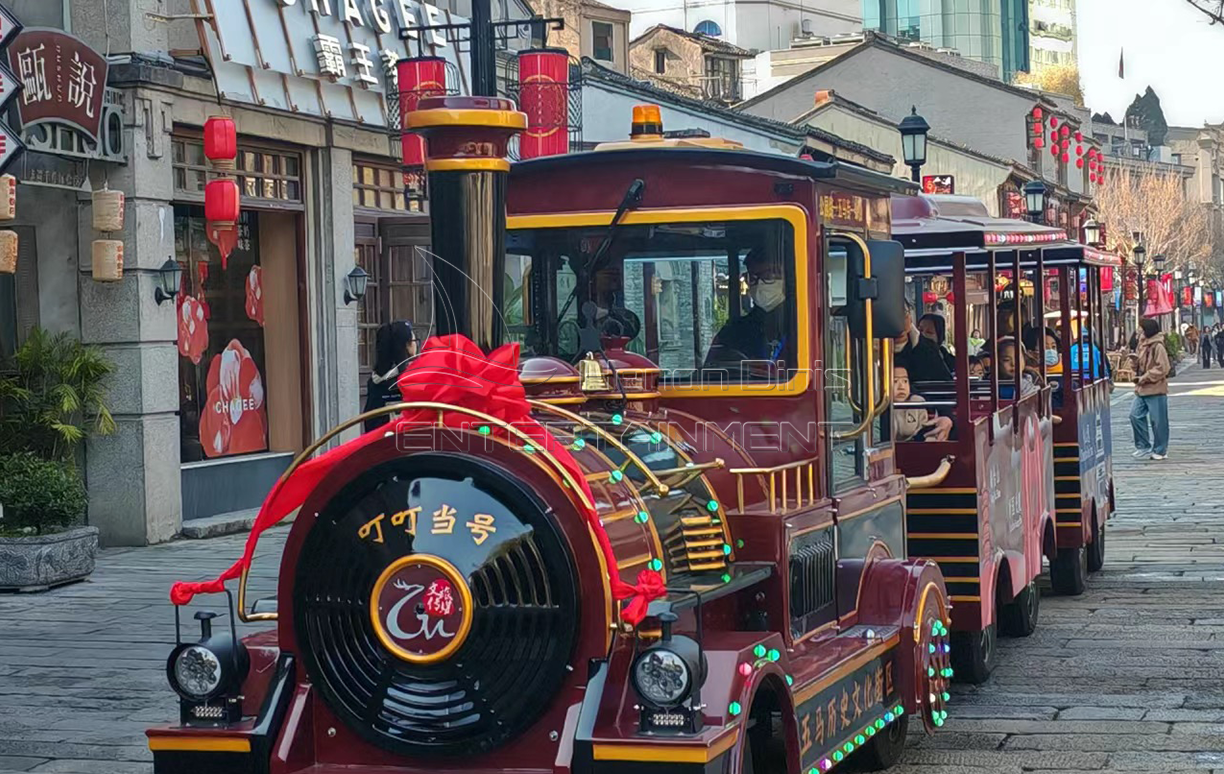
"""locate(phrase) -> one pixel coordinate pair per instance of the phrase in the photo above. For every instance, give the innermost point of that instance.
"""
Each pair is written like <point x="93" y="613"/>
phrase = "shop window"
<point x="380" y="188"/>
<point x="262" y="174"/>
<point x="222" y="388"/>
<point x="601" y="35"/>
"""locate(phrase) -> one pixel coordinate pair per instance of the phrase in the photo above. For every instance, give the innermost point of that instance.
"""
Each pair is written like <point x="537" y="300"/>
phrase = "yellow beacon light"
<point x="647" y="123"/>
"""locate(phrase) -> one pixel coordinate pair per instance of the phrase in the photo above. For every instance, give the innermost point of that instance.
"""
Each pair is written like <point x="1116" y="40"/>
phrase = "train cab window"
<point x="843" y="382"/>
<point x="707" y="301"/>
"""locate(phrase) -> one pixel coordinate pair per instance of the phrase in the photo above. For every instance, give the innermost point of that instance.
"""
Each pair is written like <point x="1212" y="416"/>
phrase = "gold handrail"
<point x="870" y="348"/>
<point x="440" y="408"/>
<point x="798" y="466"/>
<point x="659" y="486"/>
<point x="932" y="479"/>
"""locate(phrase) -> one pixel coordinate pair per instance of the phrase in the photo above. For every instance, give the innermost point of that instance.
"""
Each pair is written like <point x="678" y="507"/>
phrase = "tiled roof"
<point x="707" y="43"/>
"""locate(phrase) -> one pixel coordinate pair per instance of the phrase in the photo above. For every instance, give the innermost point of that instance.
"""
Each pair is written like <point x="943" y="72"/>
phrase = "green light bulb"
<point x="946" y="697"/>
<point x="790" y="680"/>
<point x="617" y="476"/>
<point x="837" y="756"/>
<point x="739" y="543"/>
<point x="579" y="443"/>
<point x="641" y="517"/>
<point x="735" y="708"/>
<point x="617" y="419"/>
<point x="930" y="671"/>
<point x="528" y="448"/>
<point x="899" y="710"/>
<point x="871" y="730"/>
<point x="759" y="651"/>
<point x="879" y="724"/>
<point x="848" y="747"/>
<point x="726" y="549"/>
<point x="726" y="578"/>
<point x="656" y="565"/>
<point x="483" y="430"/>
<point x="931" y="648"/>
<point x="712" y="506"/>
<point x="939" y="721"/>
<point x="656" y="437"/>
<point x="934" y="627"/>
<point x="773" y="654"/>
<point x="860" y="739"/>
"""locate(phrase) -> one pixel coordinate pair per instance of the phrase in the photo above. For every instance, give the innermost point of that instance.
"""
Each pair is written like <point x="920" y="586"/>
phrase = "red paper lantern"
<point x="1079" y="136"/>
<point x="1066" y="144"/>
<point x="221" y="201"/>
<point x="418" y="77"/>
<point x="544" y="97"/>
<point x="1092" y="178"/>
<point x="1066" y="130"/>
<point x="1079" y="163"/>
<point x="1039" y="142"/>
<point x="1079" y="150"/>
<point x="1054" y="150"/>
<point x="1037" y="113"/>
<point x="1066" y="158"/>
<point x="221" y="141"/>
<point x="1053" y="120"/>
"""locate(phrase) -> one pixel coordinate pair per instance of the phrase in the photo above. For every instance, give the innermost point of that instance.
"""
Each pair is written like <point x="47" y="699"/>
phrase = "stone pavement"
<point x="1125" y="678"/>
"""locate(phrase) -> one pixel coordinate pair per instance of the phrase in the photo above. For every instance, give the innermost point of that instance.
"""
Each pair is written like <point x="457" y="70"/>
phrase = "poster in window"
<point x="222" y="395"/>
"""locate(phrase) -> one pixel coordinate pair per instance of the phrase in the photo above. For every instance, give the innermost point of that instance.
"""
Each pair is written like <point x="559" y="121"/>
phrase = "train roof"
<point x="932" y="228"/>
<point x="832" y="170"/>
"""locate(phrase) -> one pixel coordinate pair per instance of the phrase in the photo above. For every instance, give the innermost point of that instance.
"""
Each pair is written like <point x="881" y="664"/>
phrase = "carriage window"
<point x="706" y="301"/>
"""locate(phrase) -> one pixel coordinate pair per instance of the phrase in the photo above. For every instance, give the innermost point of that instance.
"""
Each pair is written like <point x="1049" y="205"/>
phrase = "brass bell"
<point x="591" y="375"/>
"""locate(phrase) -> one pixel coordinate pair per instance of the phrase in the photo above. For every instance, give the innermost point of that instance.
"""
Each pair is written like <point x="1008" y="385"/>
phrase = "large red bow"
<point x="450" y="370"/>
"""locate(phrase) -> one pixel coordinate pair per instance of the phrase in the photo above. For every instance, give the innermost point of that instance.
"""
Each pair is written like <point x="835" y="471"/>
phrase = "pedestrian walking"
<point x="1217" y="338"/>
<point x="1151" y="402"/>
<point x="1192" y="339"/>
<point x="394" y="344"/>
<point x="1205" y="347"/>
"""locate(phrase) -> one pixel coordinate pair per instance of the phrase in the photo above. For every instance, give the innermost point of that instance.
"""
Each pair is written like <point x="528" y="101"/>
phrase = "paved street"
<point x="1125" y="678"/>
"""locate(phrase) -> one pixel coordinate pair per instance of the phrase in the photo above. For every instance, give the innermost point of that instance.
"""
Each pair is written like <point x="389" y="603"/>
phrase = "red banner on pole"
<point x="1187" y="296"/>
<point x="418" y="77"/>
<point x="544" y="97"/>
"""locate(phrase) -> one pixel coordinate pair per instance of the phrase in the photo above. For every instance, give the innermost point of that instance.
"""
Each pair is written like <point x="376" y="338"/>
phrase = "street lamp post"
<point x="1035" y="200"/>
<point x="1140" y="254"/>
<point x="914" y="130"/>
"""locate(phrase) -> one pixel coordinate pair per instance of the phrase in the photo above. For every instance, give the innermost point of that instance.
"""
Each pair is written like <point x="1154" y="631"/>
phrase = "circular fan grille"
<point x="522" y="586"/>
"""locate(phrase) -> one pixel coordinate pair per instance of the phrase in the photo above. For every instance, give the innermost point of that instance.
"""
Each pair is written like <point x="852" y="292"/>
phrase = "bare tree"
<point x="1212" y="9"/>
<point x="1152" y="201"/>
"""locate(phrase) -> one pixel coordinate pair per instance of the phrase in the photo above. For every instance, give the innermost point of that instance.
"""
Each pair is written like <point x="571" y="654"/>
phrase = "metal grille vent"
<point x="812" y="567"/>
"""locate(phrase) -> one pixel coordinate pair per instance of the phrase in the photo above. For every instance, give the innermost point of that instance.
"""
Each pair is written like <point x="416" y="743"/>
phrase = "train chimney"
<point x="466" y="141"/>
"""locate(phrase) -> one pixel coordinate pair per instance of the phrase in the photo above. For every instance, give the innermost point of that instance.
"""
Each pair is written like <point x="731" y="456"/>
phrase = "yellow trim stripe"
<point x="1075" y="524"/>
<point x="1066" y="459"/>
<point x="1069" y="510"/>
<point x="956" y="598"/>
<point x="467" y="165"/>
<point x="956" y="579"/>
<point x="827" y="679"/>
<point x="942" y="511"/>
<point x="795" y="215"/>
<point x="1072" y="444"/>
<point x="422" y="119"/>
<point x="1066" y="478"/>
<point x="199" y="744"/>
<point x="646" y="753"/>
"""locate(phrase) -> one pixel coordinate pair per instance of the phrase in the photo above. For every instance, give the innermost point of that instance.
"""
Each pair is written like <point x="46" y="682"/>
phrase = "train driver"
<point x="761" y="334"/>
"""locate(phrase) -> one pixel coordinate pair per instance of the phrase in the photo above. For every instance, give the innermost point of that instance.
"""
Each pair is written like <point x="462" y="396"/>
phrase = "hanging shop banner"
<point x="63" y="80"/>
<point x="1219" y="299"/>
<point x="1187" y="296"/>
<point x="326" y="58"/>
<point x="938" y="184"/>
<point x="1198" y="296"/>
<point x="1208" y="300"/>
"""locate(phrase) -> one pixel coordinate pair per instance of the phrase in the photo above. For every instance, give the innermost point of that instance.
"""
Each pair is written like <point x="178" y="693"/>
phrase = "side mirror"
<point x="885" y="288"/>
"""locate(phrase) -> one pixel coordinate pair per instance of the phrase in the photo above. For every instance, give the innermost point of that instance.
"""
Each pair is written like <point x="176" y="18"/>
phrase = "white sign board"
<point x="327" y="58"/>
<point x="10" y="146"/>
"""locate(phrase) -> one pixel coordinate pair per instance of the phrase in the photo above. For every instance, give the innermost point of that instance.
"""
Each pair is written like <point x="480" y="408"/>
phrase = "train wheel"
<point x="974" y="654"/>
<point x="1019" y="617"/>
<point x="1069" y="571"/>
<point x="885" y="748"/>
<point x="1096" y="549"/>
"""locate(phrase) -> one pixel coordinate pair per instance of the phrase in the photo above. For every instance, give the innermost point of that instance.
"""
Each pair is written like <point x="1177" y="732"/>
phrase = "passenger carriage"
<point x="1024" y="477"/>
<point x="650" y="562"/>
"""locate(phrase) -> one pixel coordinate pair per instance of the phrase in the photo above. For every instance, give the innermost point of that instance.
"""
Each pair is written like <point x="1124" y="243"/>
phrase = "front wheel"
<point x="1096" y="549"/>
<point x="1019" y="617"/>
<point x="1069" y="571"/>
<point x="974" y="654"/>
<point x="885" y="748"/>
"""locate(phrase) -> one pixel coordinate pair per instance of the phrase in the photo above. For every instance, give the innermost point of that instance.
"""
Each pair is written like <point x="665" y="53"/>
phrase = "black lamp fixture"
<point x="1035" y="200"/>
<point x="1092" y="233"/>
<point x="1158" y="261"/>
<point x="914" y="130"/>
<point x="355" y="285"/>
<point x="169" y="281"/>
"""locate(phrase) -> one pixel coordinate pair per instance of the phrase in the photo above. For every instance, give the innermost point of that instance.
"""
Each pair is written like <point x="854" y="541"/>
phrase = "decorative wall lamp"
<point x="169" y="281"/>
<point x="355" y="285"/>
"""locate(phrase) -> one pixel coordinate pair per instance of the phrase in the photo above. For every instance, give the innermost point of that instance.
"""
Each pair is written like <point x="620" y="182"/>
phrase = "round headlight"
<point x="662" y="677"/>
<point x="197" y="672"/>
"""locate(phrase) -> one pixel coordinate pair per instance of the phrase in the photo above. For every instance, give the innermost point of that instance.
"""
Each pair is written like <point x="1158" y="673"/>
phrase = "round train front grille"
<point x="436" y="606"/>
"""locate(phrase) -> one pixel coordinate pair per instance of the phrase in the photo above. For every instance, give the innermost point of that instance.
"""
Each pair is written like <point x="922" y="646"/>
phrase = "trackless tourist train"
<point x="624" y="520"/>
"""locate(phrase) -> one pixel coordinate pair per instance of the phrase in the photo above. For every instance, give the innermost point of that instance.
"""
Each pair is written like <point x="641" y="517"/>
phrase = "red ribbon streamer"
<point x="454" y="371"/>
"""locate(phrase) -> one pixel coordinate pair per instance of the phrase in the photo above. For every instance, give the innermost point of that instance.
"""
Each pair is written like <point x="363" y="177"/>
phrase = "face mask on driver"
<point x="767" y="294"/>
<point x="1051" y="357"/>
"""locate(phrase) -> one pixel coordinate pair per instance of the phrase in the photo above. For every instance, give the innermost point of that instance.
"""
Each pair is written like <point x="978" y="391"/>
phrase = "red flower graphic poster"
<point x="192" y="329"/>
<point x="234" y="417"/>
<point x="254" y="294"/>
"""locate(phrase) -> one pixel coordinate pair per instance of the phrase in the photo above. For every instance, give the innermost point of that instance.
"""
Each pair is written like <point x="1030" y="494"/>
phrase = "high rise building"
<point x="990" y="31"/>
<point x="1052" y="33"/>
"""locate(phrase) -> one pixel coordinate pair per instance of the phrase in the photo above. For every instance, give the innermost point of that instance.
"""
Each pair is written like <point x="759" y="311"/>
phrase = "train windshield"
<point x="704" y="300"/>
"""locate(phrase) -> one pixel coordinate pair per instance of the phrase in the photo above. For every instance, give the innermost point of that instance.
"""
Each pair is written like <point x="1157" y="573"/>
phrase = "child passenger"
<point x="910" y="424"/>
<point x="977" y="369"/>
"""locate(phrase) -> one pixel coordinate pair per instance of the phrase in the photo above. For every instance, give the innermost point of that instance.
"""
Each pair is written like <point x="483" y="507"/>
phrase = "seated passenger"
<point x="760" y="334"/>
<point x="914" y="424"/>
<point x="1048" y="350"/>
<point x="1009" y="361"/>
<point x="934" y="328"/>
<point x="918" y="355"/>
<point x="977" y="367"/>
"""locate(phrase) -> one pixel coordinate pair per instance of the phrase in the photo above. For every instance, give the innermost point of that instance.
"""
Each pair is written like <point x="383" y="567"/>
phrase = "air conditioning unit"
<point x="805" y="27"/>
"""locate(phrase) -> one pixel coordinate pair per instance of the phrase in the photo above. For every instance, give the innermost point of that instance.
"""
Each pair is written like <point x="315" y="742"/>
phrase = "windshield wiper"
<point x="633" y="195"/>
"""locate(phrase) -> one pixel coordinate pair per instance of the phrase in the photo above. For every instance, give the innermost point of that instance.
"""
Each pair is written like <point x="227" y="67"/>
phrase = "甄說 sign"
<point x="62" y="80"/>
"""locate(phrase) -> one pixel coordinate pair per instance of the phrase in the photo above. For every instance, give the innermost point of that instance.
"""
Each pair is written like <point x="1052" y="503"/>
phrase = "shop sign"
<point x="1187" y="296"/>
<point x="1131" y="284"/>
<point x="326" y="58"/>
<point x="53" y="171"/>
<point x="938" y="184"/>
<point x="1209" y="299"/>
<point x="843" y="209"/>
<point x="63" y="80"/>
<point x="1219" y="298"/>
<point x="1198" y="296"/>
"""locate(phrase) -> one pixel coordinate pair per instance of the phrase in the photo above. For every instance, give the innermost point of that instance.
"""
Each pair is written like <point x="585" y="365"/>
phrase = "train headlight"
<point x="196" y="672"/>
<point x="668" y="673"/>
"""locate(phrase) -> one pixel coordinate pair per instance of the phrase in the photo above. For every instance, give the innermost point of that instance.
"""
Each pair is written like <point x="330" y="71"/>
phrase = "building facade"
<point x="695" y="65"/>
<point x="1052" y="33"/>
<point x="260" y="353"/>
<point x="591" y="29"/>
<point x="991" y="31"/>
<point x="758" y="25"/>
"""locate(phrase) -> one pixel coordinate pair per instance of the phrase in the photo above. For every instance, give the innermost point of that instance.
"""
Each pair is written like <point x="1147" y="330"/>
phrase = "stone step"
<point x="221" y="524"/>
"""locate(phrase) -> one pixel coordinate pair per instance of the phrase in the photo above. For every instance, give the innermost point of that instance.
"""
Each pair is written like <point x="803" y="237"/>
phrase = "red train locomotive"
<point x="664" y="539"/>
